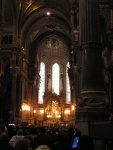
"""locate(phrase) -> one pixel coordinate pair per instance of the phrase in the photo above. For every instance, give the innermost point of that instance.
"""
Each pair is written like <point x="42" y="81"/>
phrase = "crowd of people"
<point x="35" y="138"/>
<point x="47" y="138"/>
<point x="38" y="138"/>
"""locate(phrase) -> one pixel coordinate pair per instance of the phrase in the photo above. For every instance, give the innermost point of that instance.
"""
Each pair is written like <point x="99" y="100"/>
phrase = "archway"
<point x="53" y="110"/>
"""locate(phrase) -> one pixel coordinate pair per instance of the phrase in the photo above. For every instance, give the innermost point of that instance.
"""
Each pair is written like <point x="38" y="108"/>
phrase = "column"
<point x="111" y="13"/>
<point x="91" y="105"/>
<point x="92" y="83"/>
<point x="14" y="85"/>
<point x="19" y="97"/>
<point x="31" y="101"/>
<point x="13" y="95"/>
<point x="1" y="21"/>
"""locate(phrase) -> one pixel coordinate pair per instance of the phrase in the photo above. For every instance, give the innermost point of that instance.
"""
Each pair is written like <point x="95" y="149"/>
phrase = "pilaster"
<point x="13" y="94"/>
<point x="14" y="69"/>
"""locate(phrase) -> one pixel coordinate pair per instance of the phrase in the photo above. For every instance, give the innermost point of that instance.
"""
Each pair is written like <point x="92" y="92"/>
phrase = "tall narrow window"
<point x="68" y="92"/>
<point x="55" y="78"/>
<point x="42" y="83"/>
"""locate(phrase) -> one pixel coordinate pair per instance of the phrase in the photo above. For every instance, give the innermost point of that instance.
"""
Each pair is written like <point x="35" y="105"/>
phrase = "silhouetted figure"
<point x="77" y="132"/>
<point x="68" y="138"/>
<point x="59" y="143"/>
<point x="29" y="137"/>
<point x="33" y="134"/>
<point x="43" y="138"/>
<point x="23" y="144"/>
<point x="16" y="138"/>
<point x="75" y="140"/>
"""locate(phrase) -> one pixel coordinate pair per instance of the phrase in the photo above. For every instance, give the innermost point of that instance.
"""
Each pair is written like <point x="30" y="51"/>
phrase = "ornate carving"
<point x="94" y="101"/>
<point x="80" y="102"/>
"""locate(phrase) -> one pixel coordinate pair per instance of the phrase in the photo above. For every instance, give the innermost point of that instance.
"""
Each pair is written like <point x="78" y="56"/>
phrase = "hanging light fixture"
<point x="48" y="13"/>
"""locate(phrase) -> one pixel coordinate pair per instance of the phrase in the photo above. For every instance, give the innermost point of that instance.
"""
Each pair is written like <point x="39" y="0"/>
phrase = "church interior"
<point x="56" y="63"/>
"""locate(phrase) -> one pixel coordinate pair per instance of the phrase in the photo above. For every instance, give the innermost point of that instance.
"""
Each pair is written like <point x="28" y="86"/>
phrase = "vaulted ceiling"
<point x="34" y="24"/>
<point x="34" y="21"/>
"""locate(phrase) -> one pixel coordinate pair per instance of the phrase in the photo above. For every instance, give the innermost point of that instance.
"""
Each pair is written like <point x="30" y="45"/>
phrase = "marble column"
<point x="91" y="105"/>
<point x="92" y="82"/>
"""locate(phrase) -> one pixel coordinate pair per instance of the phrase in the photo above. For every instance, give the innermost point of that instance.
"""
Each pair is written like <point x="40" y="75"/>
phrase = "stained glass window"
<point x="68" y="91"/>
<point x="55" y="78"/>
<point x="42" y="83"/>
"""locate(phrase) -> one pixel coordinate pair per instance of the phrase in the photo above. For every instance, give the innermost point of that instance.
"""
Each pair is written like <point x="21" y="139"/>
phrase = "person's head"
<point x="23" y="144"/>
<point x="42" y="130"/>
<point x="43" y="147"/>
<point x="20" y="132"/>
<point x="27" y="132"/>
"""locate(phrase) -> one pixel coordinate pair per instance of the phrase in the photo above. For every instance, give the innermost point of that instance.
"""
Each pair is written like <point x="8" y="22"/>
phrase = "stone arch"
<point x="39" y="39"/>
<point x="37" y="15"/>
<point x="9" y="17"/>
<point x="53" y="103"/>
<point x="5" y="60"/>
<point x="33" y="57"/>
<point x="36" y="23"/>
<point x="106" y="19"/>
<point x="54" y="96"/>
<point x="5" y="55"/>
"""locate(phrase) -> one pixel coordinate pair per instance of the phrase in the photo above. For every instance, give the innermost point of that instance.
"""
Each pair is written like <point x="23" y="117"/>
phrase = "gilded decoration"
<point x="30" y="5"/>
<point x="53" y="108"/>
<point x="54" y="47"/>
